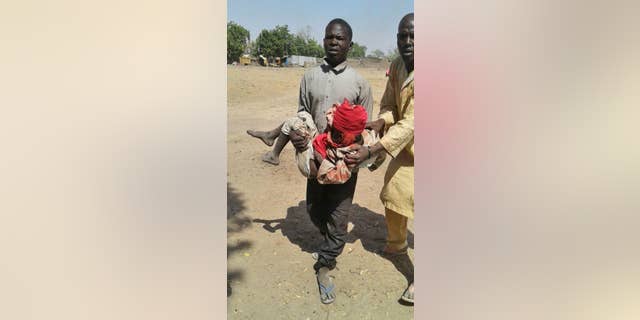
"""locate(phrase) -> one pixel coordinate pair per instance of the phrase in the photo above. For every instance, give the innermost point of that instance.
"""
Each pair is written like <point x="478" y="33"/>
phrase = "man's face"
<point x="405" y="40"/>
<point x="336" y="43"/>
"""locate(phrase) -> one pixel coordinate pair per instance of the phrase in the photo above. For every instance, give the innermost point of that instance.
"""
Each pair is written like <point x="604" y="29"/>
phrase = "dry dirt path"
<point x="270" y="236"/>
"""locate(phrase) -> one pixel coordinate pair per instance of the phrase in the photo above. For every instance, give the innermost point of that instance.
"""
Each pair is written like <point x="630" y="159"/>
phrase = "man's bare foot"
<point x="271" y="158"/>
<point x="326" y="286"/>
<point x="262" y="135"/>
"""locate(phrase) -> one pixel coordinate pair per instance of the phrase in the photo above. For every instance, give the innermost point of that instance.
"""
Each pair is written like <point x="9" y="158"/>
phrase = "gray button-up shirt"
<point x="322" y="86"/>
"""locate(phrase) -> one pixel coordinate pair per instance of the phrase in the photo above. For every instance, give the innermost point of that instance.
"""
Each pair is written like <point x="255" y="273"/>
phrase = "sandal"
<point x="393" y="252"/>
<point x="324" y="293"/>
<point x="407" y="296"/>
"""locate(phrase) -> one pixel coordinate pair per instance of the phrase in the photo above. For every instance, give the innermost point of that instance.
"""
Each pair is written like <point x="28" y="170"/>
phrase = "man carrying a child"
<point x="328" y="205"/>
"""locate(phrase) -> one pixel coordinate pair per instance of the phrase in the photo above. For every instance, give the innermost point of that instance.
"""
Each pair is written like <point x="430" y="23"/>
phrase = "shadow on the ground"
<point x="236" y="222"/>
<point x="368" y="227"/>
<point x="236" y="219"/>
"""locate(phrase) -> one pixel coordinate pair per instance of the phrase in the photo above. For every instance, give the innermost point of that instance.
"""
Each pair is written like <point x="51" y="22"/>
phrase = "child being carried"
<point x="323" y="159"/>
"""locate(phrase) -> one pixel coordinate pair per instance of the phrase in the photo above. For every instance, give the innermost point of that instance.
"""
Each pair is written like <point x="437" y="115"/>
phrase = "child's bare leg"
<point x="273" y="156"/>
<point x="268" y="137"/>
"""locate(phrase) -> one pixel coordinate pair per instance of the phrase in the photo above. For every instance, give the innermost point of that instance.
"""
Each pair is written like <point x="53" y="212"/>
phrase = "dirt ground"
<point x="270" y="236"/>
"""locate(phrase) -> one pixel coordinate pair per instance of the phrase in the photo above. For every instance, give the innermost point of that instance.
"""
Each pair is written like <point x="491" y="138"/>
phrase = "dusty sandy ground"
<point x="270" y="236"/>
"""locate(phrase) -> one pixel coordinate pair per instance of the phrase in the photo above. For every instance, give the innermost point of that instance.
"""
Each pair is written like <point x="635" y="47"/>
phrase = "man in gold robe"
<point x="396" y="123"/>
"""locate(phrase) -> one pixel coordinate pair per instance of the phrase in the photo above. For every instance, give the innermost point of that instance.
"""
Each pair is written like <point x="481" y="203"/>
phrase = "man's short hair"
<point x="344" y="24"/>
<point x="407" y="17"/>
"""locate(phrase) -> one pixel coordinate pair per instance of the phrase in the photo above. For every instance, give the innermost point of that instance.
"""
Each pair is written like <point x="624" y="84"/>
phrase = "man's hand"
<point x="377" y="126"/>
<point x="299" y="141"/>
<point x="360" y="155"/>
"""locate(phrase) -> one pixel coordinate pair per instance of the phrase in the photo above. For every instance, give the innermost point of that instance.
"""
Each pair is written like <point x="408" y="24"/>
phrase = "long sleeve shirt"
<point x="322" y="86"/>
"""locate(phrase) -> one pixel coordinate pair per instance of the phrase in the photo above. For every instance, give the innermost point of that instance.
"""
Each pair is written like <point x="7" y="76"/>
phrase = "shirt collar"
<point x="337" y="69"/>
<point x="409" y="78"/>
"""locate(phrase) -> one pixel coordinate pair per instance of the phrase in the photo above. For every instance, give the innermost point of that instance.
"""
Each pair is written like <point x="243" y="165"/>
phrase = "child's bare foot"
<point x="262" y="135"/>
<point x="326" y="286"/>
<point x="271" y="158"/>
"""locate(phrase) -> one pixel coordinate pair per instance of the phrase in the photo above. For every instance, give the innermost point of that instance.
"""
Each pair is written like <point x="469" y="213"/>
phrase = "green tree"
<point x="298" y="46"/>
<point x="357" y="51"/>
<point x="377" y="54"/>
<point x="237" y="41"/>
<point x="315" y="49"/>
<point x="305" y="33"/>
<point x="305" y="47"/>
<point x="278" y="42"/>
<point x="392" y="54"/>
<point x="275" y="42"/>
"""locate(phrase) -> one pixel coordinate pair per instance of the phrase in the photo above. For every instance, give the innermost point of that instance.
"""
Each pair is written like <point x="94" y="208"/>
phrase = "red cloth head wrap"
<point x="349" y="120"/>
<point x="346" y="118"/>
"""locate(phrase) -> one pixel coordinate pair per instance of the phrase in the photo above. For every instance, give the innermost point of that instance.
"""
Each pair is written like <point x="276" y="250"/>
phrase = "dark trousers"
<point x="328" y="206"/>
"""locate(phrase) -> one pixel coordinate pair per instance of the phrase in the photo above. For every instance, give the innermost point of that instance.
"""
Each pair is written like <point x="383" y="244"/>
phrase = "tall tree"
<point x="305" y="33"/>
<point x="315" y="49"/>
<point x="279" y="41"/>
<point x="377" y="53"/>
<point x="357" y="51"/>
<point x="275" y="42"/>
<point x="392" y="54"/>
<point x="305" y="44"/>
<point x="237" y="41"/>
<point x="298" y="46"/>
